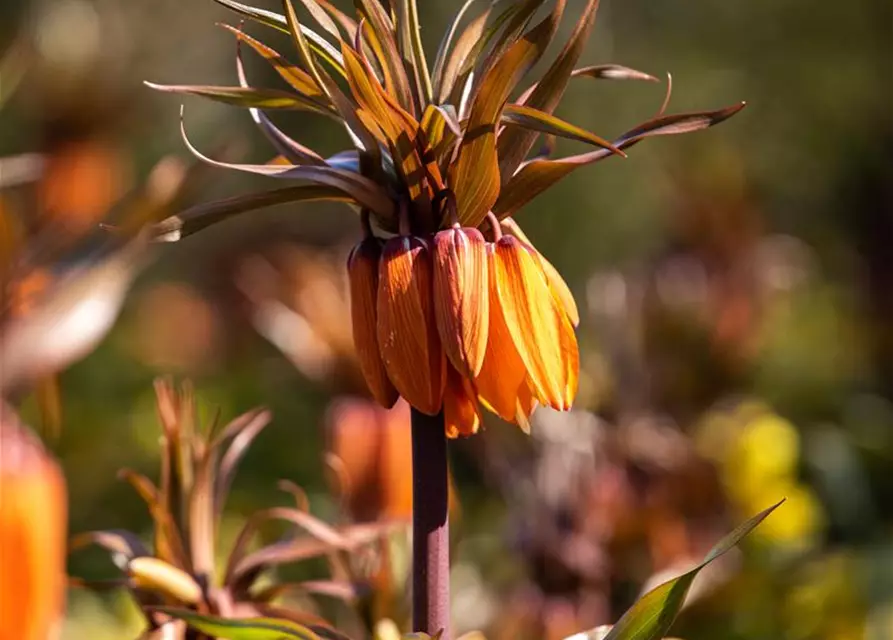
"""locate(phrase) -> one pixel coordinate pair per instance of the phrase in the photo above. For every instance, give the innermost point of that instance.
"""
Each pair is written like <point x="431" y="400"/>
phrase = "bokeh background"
<point x="736" y="288"/>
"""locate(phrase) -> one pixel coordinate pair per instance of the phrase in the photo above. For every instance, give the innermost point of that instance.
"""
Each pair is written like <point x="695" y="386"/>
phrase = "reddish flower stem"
<point x="430" y="526"/>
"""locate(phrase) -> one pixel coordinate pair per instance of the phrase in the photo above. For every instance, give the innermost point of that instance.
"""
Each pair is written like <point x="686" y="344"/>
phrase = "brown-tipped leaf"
<point x="538" y="175"/>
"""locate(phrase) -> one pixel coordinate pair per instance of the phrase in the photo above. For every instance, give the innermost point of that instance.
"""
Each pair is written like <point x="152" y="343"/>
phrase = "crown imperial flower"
<point x="467" y="313"/>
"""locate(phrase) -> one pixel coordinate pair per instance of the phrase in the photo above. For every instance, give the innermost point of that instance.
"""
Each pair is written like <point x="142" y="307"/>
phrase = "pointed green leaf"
<point x="653" y="614"/>
<point x="243" y="629"/>
<point x="536" y="120"/>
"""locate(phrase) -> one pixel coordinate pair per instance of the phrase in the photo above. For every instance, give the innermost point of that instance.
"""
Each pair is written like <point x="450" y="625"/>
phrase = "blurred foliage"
<point x="737" y="317"/>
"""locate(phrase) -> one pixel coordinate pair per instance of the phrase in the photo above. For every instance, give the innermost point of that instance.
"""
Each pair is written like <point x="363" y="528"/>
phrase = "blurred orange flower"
<point x="33" y="517"/>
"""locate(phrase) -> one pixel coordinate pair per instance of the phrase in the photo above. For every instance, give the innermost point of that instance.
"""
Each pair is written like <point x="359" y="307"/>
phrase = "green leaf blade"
<point x="244" y="629"/>
<point x="651" y="617"/>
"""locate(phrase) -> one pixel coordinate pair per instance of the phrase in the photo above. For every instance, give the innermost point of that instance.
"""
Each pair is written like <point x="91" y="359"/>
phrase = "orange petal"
<point x="460" y="296"/>
<point x="561" y="291"/>
<point x="362" y="273"/>
<point x="33" y="519"/>
<point x="570" y="355"/>
<point x="539" y="327"/>
<point x="503" y="374"/>
<point x="407" y="330"/>
<point x="524" y="406"/>
<point x="461" y="414"/>
<point x="557" y="283"/>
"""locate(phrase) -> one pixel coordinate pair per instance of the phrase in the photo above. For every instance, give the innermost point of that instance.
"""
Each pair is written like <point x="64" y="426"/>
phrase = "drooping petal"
<point x="460" y="296"/>
<point x="362" y="272"/>
<point x="537" y="323"/>
<point x="559" y="286"/>
<point x="503" y="374"/>
<point x="461" y="414"/>
<point x="561" y="291"/>
<point x="524" y="407"/>
<point x="407" y="330"/>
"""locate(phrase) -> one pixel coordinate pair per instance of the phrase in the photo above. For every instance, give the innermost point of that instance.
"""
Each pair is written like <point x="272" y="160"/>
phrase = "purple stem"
<point x="430" y="526"/>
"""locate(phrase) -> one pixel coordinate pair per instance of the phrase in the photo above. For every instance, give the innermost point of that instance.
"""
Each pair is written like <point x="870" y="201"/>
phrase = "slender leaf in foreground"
<point x="246" y="629"/>
<point x="653" y="614"/>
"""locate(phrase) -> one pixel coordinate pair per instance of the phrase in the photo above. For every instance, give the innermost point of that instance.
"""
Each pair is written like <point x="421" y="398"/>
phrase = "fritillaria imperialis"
<point x="453" y="308"/>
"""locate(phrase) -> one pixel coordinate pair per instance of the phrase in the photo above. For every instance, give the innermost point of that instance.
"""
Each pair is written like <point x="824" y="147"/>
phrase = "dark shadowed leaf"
<point x="536" y="176"/>
<point x="535" y="120"/>
<point x="247" y="97"/>
<point x="206" y="214"/>
<point x="246" y="629"/>
<point x="652" y="615"/>
<point x="365" y="192"/>
<point x="302" y="548"/>
<point x="117" y="541"/>
<point x="249" y="427"/>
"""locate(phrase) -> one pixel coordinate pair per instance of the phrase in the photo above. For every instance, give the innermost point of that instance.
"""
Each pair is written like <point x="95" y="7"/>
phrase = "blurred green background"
<point x="736" y="287"/>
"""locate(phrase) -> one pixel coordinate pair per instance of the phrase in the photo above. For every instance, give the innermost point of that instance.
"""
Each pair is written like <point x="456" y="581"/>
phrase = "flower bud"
<point x="362" y="273"/>
<point x="33" y="516"/>
<point x="407" y="329"/>
<point x="460" y="296"/>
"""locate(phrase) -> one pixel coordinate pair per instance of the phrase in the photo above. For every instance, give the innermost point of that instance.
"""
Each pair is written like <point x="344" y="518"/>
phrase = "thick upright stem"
<point x="430" y="526"/>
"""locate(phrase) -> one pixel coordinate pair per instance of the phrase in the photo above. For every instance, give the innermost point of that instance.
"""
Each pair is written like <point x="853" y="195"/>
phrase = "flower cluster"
<point x="453" y="307"/>
<point x="453" y="318"/>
